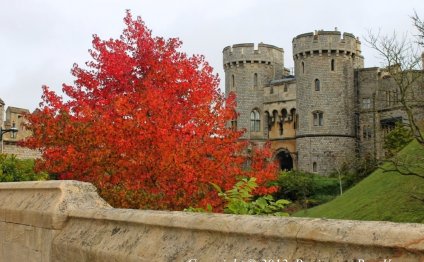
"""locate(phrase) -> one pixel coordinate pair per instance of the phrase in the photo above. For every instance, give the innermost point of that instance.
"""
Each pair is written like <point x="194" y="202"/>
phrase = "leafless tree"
<point x="401" y="55"/>
<point x="403" y="63"/>
<point x="419" y="26"/>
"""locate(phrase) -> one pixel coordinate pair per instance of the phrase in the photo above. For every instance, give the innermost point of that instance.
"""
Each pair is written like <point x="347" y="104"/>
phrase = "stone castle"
<point x="15" y="117"/>
<point x="331" y="111"/>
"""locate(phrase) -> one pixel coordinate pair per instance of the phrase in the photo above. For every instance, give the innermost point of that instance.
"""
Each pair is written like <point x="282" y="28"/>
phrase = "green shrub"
<point x="397" y="139"/>
<point x="13" y="169"/>
<point x="306" y="189"/>
<point x="239" y="200"/>
<point x="295" y="185"/>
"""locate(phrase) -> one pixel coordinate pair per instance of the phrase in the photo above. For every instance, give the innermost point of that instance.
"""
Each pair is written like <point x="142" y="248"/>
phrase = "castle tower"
<point x="1" y="113"/>
<point x="326" y="103"/>
<point x="247" y="71"/>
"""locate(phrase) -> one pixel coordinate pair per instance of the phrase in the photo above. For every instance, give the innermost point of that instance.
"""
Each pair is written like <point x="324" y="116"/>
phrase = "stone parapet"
<point x="89" y="230"/>
<point x="45" y="203"/>
<point x="247" y="53"/>
<point x="12" y="148"/>
<point x="316" y="43"/>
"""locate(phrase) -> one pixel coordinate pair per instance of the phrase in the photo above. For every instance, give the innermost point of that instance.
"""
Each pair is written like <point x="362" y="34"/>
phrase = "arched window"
<point x="233" y="82"/>
<point x="303" y="67"/>
<point x="332" y="64"/>
<point x="255" y="121"/>
<point x="318" y="117"/>
<point x="292" y="116"/>
<point x="268" y="119"/>
<point x="284" y="113"/>
<point x="255" y="80"/>
<point x="314" y="167"/>
<point x="317" y="85"/>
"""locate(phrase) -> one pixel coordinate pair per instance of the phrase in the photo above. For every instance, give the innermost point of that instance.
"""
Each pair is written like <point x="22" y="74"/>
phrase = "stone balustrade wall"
<point x="68" y="221"/>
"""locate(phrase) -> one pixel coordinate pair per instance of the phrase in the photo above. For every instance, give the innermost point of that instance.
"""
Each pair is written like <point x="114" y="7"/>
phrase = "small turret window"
<point x="332" y="65"/>
<point x="303" y="67"/>
<point x="318" y="117"/>
<point x="234" y="122"/>
<point x="314" y="167"/>
<point x="255" y="121"/>
<point x="317" y="85"/>
<point x="233" y="82"/>
<point x="255" y="80"/>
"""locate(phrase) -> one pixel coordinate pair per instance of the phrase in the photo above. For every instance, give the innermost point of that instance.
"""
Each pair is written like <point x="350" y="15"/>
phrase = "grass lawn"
<point x="383" y="196"/>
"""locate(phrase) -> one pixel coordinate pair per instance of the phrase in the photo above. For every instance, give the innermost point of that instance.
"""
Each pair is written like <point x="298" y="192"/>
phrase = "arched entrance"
<point x="285" y="160"/>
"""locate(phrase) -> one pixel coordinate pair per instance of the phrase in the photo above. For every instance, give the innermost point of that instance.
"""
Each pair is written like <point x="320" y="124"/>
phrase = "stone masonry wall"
<point x="11" y="148"/>
<point x="68" y="221"/>
<point x="329" y="153"/>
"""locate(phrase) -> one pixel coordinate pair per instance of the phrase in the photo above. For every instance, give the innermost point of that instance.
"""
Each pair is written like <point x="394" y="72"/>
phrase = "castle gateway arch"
<point x="284" y="159"/>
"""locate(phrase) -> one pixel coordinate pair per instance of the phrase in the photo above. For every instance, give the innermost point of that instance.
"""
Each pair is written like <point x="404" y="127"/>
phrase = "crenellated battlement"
<point x="248" y="53"/>
<point x="326" y="43"/>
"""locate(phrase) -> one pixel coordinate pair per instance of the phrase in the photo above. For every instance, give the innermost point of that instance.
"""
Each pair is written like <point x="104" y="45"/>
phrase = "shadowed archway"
<point x="285" y="160"/>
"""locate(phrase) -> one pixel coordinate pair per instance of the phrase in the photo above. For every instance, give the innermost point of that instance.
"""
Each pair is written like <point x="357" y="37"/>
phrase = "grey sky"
<point x="41" y="39"/>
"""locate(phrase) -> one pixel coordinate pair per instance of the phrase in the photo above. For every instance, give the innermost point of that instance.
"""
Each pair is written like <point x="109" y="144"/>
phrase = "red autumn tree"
<point x="146" y="124"/>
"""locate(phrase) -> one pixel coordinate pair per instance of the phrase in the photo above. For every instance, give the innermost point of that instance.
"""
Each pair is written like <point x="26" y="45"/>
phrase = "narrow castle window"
<point x="292" y="116"/>
<point x="13" y="134"/>
<point x="303" y="67"/>
<point x="255" y="80"/>
<point x="318" y="118"/>
<point x="317" y="85"/>
<point x="285" y="87"/>
<point x="366" y="103"/>
<point x="332" y="65"/>
<point x="255" y="121"/>
<point x="233" y="82"/>
<point x="268" y="120"/>
<point x="296" y="122"/>
<point x="366" y="132"/>
<point x="314" y="167"/>
<point x="234" y="122"/>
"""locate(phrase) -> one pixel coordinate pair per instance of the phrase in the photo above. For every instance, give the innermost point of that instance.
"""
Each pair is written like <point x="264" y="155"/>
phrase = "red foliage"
<point x="146" y="124"/>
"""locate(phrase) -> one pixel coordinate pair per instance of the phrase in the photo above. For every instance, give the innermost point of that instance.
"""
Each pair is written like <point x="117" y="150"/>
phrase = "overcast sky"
<point x="41" y="39"/>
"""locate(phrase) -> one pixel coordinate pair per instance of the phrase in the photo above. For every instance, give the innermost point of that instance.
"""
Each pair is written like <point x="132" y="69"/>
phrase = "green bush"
<point x="295" y="185"/>
<point x="325" y="186"/>
<point x="239" y="200"/>
<point x="13" y="169"/>
<point x="306" y="189"/>
<point x="397" y="139"/>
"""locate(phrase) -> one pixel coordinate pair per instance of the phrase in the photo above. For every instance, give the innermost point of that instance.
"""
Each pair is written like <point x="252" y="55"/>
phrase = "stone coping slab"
<point x="407" y="236"/>
<point x="45" y="203"/>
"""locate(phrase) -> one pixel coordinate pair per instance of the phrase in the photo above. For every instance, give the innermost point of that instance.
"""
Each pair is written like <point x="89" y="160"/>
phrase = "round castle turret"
<point x="247" y="71"/>
<point x="324" y="69"/>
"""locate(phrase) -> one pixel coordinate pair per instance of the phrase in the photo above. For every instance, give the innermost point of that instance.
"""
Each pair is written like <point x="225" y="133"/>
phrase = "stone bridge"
<point x="68" y="221"/>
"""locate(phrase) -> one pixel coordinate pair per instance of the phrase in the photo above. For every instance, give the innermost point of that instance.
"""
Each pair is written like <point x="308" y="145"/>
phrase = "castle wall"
<point x="379" y="103"/>
<point x="279" y="98"/>
<point x="68" y="221"/>
<point x="12" y="148"/>
<point x="328" y="153"/>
